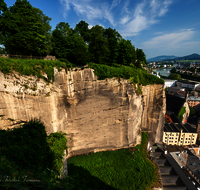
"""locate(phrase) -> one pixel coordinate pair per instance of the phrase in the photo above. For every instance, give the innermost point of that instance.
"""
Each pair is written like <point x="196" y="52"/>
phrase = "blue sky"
<point x="159" y="27"/>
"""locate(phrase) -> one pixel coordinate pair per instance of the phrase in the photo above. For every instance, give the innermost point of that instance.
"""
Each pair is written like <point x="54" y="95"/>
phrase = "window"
<point x="176" y="137"/>
<point x="181" y="141"/>
<point x="181" y="138"/>
<point x="165" y="137"/>
<point x="192" y="138"/>
<point x="175" y="141"/>
<point x="165" y="140"/>
<point x="185" y="141"/>
<point x="172" y="137"/>
<point x="169" y="137"/>
<point x="192" y="141"/>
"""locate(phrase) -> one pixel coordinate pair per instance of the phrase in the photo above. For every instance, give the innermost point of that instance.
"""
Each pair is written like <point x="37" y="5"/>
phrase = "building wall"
<point x="177" y="138"/>
<point x="194" y="104"/>
<point x="170" y="84"/>
<point x="187" y="113"/>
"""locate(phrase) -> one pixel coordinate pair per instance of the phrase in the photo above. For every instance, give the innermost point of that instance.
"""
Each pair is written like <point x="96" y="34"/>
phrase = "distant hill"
<point x="162" y="57"/>
<point x="193" y="56"/>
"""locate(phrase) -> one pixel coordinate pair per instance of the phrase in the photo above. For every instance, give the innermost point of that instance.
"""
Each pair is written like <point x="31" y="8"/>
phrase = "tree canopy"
<point x="24" y="29"/>
<point x="174" y="76"/>
<point x="68" y="44"/>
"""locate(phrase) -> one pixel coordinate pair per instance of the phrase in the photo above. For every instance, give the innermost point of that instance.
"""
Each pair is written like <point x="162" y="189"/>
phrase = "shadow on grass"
<point x="83" y="180"/>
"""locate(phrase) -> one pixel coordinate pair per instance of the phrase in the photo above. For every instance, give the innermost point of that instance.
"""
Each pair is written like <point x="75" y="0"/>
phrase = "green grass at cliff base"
<point x="122" y="169"/>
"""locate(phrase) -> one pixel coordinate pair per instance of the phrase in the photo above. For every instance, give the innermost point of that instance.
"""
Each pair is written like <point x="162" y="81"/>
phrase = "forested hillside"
<point x="25" y="30"/>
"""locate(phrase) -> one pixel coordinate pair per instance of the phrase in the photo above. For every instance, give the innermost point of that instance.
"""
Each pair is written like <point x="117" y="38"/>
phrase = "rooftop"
<point x="176" y="127"/>
<point x="193" y="98"/>
<point x="169" y="80"/>
<point x="186" y="82"/>
<point x="193" y="163"/>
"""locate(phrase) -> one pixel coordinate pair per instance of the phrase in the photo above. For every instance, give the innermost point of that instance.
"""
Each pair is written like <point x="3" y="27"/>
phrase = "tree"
<point x="192" y="112"/>
<point x="113" y="38"/>
<point x="3" y="10"/>
<point x="69" y="45"/>
<point x="173" y="70"/>
<point x="98" y="47"/>
<point x="141" y="57"/>
<point x="126" y="52"/>
<point x="83" y="30"/>
<point x="25" y="30"/>
<point x="174" y="76"/>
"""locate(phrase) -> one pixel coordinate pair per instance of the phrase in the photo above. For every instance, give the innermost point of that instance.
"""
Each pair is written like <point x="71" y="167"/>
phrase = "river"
<point x="164" y="72"/>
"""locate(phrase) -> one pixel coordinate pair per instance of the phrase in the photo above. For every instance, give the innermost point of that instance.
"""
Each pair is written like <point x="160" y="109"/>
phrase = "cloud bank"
<point x="171" y="40"/>
<point x="132" y="17"/>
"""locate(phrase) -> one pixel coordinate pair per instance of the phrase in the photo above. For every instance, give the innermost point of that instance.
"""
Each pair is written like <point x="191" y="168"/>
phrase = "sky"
<point x="159" y="27"/>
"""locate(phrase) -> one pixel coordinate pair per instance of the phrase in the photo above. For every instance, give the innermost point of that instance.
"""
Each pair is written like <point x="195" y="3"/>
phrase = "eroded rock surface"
<point x="96" y="114"/>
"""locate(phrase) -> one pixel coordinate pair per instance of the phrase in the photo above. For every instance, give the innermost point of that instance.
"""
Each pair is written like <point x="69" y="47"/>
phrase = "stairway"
<point x="169" y="178"/>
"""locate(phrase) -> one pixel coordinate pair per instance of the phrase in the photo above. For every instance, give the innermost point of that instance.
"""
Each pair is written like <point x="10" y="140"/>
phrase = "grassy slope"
<point x="121" y="169"/>
<point x="37" y="67"/>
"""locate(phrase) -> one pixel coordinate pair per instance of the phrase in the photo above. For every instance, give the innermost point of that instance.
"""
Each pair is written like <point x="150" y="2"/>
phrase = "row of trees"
<point x="25" y="30"/>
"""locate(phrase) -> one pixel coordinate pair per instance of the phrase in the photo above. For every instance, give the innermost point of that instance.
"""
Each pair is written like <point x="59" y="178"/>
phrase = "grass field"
<point x="122" y="169"/>
<point x="189" y="60"/>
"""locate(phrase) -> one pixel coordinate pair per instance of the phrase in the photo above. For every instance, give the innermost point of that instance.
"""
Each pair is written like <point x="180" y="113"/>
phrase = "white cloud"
<point x="164" y="8"/>
<point x="91" y="10"/>
<point x="114" y="4"/>
<point x="145" y="15"/>
<point x="124" y="20"/>
<point x="171" y="40"/>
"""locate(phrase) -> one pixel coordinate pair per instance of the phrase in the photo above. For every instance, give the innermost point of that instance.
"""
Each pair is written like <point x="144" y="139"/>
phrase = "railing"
<point x="48" y="57"/>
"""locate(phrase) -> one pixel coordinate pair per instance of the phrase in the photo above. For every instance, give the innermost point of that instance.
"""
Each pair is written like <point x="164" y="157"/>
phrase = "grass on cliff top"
<point x="121" y="169"/>
<point x="37" y="67"/>
<point x="136" y="75"/>
<point x="32" y="67"/>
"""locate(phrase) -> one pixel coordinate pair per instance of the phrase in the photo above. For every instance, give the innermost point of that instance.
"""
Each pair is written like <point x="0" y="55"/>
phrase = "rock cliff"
<point x="96" y="114"/>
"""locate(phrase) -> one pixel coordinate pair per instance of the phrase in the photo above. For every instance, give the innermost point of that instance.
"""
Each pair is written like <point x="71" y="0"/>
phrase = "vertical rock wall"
<point x="96" y="114"/>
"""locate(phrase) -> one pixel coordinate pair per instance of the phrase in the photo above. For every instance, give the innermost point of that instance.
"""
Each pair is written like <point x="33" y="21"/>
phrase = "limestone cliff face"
<point x="97" y="114"/>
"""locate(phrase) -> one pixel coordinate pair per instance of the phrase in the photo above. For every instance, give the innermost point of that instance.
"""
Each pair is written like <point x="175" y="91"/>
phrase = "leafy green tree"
<point x="69" y="45"/>
<point x="25" y="30"/>
<point x="141" y="57"/>
<point x="192" y="112"/>
<point x="83" y="30"/>
<point x="173" y="70"/>
<point x="174" y="76"/>
<point x="98" y="47"/>
<point x="126" y="52"/>
<point x="113" y="38"/>
<point x="3" y="10"/>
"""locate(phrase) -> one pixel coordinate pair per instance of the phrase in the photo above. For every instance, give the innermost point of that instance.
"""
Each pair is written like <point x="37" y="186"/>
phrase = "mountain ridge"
<point x="174" y="58"/>
<point x="162" y="57"/>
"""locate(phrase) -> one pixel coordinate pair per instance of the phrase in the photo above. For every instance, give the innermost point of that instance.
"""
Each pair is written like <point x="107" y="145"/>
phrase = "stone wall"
<point x="96" y="114"/>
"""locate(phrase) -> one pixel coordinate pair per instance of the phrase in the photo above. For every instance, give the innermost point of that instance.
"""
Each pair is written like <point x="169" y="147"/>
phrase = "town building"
<point x="187" y="157"/>
<point x="169" y="83"/>
<point x="172" y="176"/>
<point x="179" y="134"/>
<point x="175" y="89"/>
<point x="194" y="102"/>
<point x="156" y="74"/>
<point x="186" y="84"/>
